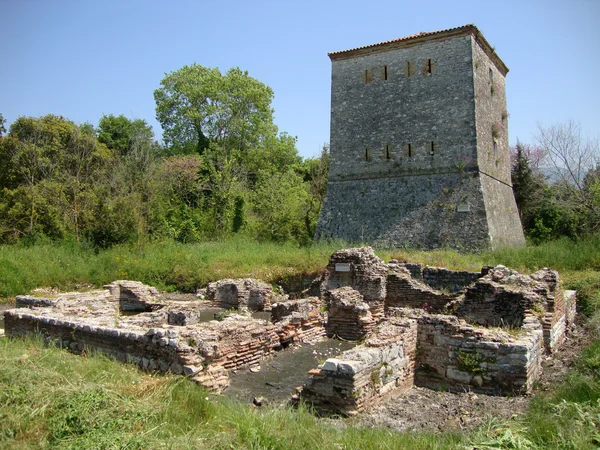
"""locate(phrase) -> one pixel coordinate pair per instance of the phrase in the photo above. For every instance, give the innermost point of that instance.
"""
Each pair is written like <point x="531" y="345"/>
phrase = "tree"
<point x="528" y="184"/>
<point x="572" y="156"/>
<point x="228" y="121"/>
<point x="196" y="105"/>
<point x="120" y="133"/>
<point x="2" y="122"/>
<point x="316" y="173"/>
<point x="49" y="172"/>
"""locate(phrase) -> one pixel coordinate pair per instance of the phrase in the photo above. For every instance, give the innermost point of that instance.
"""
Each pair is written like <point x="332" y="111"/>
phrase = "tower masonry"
<point x="419" y="145"/>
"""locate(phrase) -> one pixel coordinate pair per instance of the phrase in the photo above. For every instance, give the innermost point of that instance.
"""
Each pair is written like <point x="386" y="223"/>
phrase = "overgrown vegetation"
<point x="223" y="169"/>
<point x="172" y="265"/>
<point x="556" y="183"/>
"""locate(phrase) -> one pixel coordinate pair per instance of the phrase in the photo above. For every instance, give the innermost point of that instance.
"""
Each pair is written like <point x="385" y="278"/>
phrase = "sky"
<point x="82" y="59"/>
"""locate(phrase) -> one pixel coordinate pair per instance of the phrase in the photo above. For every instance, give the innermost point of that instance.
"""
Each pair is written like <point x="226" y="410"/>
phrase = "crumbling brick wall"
<point x="439" y="278"/>
<point x="455" y="356"/>
<point x="362" y="270"/>
<point x="299" y="321"/>
<point x="404" y="291"/>
<point x="349" y="316"/>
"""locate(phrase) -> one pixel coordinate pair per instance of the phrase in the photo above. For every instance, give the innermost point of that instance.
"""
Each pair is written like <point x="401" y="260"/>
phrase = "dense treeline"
<point x="224" y="168"/>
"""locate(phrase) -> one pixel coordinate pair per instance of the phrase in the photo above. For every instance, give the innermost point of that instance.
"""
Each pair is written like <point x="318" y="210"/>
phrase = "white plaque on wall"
<point x="342" y="267"/>
<point x="463" y="208"/>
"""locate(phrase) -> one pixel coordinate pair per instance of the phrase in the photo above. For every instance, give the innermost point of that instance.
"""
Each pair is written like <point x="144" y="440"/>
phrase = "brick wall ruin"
<point x="483" y="331"/>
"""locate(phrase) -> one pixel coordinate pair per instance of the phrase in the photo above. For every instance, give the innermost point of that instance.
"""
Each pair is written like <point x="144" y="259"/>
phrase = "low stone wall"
<point x="152" y="351"/>
<point x="455" y="356"/>
<point x="361" y="377"/>
<point x="299" y="321"/>
<point x="205" y="351"/>
<point x="243" y="293"/>
<point x="503" y="297"/>
<point x="134" y="296"/>
<point x="403" y="291"/>
<point x="281" y="310"/>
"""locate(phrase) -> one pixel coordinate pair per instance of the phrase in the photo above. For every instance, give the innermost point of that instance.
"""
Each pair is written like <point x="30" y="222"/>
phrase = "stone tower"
<point x="419" y="145"/>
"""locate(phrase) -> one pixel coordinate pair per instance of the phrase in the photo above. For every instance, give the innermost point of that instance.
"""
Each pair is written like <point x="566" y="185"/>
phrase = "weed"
<point x="470" y="362"/>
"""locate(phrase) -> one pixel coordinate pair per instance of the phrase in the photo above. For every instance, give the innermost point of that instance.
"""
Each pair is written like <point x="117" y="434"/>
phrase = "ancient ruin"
<point x="419" y="145"/>
<point x="483" y="332"/>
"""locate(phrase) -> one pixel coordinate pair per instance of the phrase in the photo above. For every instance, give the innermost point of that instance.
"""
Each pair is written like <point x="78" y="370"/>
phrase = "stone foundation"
<point x="244" y="293"/>
<point x="501" y="323"/>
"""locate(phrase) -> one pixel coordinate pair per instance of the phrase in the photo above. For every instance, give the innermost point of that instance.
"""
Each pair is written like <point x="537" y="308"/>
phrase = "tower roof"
<point x="420" y="38"/>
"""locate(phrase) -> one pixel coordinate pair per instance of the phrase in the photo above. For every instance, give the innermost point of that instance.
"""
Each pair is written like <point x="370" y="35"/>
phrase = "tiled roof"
<point x="423" y="36"/>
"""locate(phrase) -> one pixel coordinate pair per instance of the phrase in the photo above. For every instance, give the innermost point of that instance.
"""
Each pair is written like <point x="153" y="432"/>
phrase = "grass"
<point x="52" y="399"/>
<point x="175" y="266"/>
<point x="167" y="265"/>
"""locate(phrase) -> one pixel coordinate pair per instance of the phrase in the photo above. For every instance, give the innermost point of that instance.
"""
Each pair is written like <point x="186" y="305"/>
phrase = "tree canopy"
<point x="196" y="105"/>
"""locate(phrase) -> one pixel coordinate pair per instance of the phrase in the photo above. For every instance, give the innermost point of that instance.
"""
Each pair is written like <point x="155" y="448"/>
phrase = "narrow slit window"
<point x="409" y="150"/>
<point x="366" y="154"/>
<point x="491" y="74"/>
<point x="429" y="65"/>
<point x="387" y="151"/>
<point x="432" y="148"/>
<point x="409" y="69"/>
<point x="385" y="72"/>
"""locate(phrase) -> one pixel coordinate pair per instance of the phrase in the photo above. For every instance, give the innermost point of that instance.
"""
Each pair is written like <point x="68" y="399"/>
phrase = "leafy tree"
<point x="227" y="120"/>
<point x="196" y="105"/>
<point x="315" y="173"/>
<point x="48" y="177"/>
<point x="120" y="133"/>
<point x="572" y="157"/>
<point x="2" y="122"/>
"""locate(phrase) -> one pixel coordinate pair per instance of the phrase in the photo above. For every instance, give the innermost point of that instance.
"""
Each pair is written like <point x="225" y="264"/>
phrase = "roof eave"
<point x="412" y="41"/>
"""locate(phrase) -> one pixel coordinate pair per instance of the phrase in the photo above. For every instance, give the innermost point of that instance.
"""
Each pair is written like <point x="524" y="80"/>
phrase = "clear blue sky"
<point x="82" y="59"/>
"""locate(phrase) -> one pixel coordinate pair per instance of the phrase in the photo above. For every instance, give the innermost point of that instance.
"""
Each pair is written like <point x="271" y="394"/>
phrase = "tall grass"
<point x="167" y="265"/>
<point x="175" y="266"/>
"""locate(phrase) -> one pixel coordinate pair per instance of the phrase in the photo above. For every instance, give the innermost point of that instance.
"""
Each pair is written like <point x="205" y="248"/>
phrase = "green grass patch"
<point x="52" y="399"/>
<point x="186" y="267"/>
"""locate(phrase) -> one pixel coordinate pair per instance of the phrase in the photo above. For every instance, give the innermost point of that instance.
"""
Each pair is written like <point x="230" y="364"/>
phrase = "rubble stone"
<point x="242" y="293"/>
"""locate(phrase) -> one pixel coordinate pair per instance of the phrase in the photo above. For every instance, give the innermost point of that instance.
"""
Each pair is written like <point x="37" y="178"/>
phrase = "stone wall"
<point x="360" y="377"/>
<point x="243" y="293"/>
<point x="503" y="297"/>
<point x="455" y="356"/>
<point x="363" y="271"/>
<point x="404" y="291"/>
